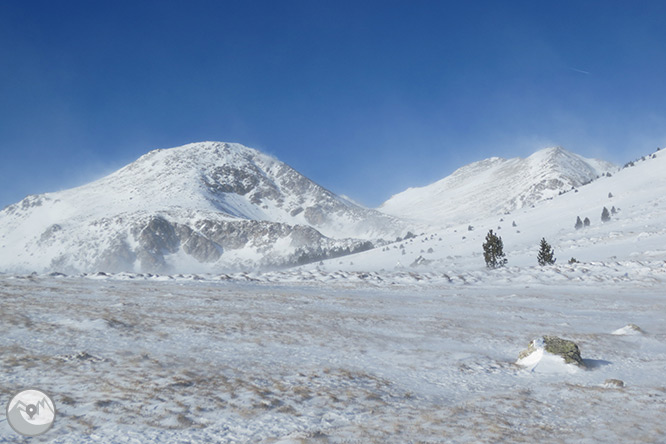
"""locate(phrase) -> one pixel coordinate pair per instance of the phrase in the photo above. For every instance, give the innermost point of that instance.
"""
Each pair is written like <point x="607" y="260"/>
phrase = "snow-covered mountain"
<point x="203" y="206"/>
<point x="496" y="186"/>
<point x="632" y="241"/>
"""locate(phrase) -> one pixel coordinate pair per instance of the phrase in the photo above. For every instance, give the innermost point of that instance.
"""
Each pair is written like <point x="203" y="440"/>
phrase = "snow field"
<point x="303" y="357"/>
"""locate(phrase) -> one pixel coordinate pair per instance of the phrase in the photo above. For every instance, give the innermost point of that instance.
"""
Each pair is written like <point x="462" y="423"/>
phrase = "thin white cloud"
<point x="579" y="70"/>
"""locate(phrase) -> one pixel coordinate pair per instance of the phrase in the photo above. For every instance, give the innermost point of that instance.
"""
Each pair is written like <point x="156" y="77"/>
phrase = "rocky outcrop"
<point x="149" y="244"/>
<point x="197" y="245"/>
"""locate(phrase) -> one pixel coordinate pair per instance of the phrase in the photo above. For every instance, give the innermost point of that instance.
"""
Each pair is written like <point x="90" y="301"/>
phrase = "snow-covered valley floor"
<point x="340" y="358"/>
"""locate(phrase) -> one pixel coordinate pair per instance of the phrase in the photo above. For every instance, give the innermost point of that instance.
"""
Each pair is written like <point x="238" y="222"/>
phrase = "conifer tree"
<point x="579" y="223"/>
<point x="586" y="222"/>
<point x="605" y="215"/>
<point x="546" y="255"/>
<point x="493" y="251"/>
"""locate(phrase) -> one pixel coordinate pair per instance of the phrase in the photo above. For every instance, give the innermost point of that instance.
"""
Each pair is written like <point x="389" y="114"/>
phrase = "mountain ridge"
<point x="216" y="207"/>
<point x="496" y="186"/>
<point x="630" y="242"/>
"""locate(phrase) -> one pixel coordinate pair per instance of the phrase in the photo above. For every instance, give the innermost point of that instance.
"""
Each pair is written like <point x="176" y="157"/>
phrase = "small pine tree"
<point x="605" y="215"/>
<point x="586" y="222"/>
<point x="579" y="223"/>
<point x="613" y="210"/>
<point x="546" y="255"/>
<point x="513" y="224"/>
<point x="610" y="195"/>
<point x="493" y="251"/>
<point x="573" y="261"/>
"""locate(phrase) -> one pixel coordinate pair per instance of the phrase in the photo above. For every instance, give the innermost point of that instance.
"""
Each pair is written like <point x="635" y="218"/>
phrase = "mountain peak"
<point x="203" y="204"/>
<point x="497" y="186"/>
<point x="553" y="150"/>
<point x="550" y="153"/>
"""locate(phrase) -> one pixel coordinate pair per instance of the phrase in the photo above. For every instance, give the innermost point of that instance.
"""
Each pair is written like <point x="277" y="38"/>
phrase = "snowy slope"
<point x="197" y="207"/>
<point x="636" y="233"/>
<point x="496" y="186"/>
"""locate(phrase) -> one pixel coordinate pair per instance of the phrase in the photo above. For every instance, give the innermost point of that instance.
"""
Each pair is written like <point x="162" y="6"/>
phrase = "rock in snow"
<point x="613" y="383"/>
<point x="567" y="350"/>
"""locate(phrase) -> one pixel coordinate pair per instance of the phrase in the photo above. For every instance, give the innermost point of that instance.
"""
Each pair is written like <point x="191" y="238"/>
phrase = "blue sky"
<point x="364" y="97"/>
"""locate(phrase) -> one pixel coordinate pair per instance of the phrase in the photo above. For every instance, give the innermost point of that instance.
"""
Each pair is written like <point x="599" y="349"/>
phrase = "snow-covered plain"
<point x="339" y="357"/>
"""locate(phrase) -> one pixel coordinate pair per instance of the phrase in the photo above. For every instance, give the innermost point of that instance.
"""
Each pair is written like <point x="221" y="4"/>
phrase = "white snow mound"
<point x="628" y="330"/>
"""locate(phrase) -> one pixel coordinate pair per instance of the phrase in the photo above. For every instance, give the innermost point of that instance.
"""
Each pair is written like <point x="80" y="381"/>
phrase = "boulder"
<point x="568" y="350"/>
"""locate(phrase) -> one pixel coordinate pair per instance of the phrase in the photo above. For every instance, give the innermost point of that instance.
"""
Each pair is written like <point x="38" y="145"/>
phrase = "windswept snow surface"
<point x="338" y="357"/>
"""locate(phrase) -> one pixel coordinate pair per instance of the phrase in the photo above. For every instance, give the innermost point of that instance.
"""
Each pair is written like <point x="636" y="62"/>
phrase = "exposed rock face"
<point x="198" y="246"/>
<point x="156" y="239"/>
<point x="156" y="243"/>
<point x="557" y="346"/>
<point x="49" y="235"/>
